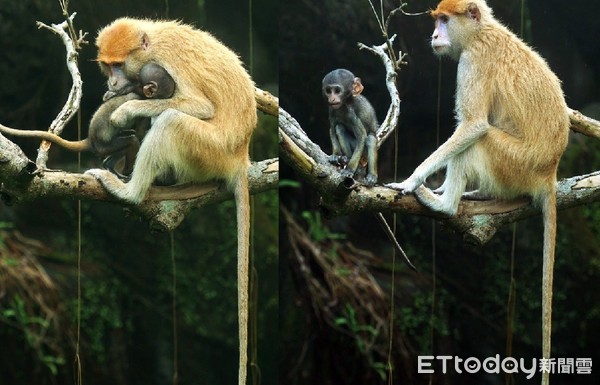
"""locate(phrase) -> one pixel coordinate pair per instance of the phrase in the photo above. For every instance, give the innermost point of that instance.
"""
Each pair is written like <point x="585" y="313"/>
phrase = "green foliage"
<point x="34" y="330"/>
<point x="101" y="312"/>
<point x="317" y="229"/>
<point x="417" y="321"/>
<point x="289" y="183"/>
<point x="363" y="336"/>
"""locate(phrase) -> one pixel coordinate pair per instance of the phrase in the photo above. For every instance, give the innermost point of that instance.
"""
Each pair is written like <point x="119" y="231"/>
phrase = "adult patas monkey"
<point x="512" y="125"/>
<point x="201" y="133"/>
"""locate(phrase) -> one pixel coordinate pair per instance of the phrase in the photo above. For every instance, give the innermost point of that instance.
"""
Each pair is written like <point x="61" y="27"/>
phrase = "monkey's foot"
<point x="113" y="184"/>
<point x="405" y="187"/>
<point x="370" y="180"/>
<point x="338" y="160"/>
<point x="432" y="201"/>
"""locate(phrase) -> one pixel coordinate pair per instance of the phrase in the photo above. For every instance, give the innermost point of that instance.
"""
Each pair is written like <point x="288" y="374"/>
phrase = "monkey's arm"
<point x="337" y="156"/>
<point x="369" y="120"/>
<point x="360" y="133"/>
<point x="465" y="135"/>
<point x="201" y="109"/>
<point x="335" y="143"/>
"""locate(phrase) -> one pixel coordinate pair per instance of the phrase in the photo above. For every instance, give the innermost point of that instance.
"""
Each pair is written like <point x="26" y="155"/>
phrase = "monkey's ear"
<point x="473" y="12"/>
<point x="357" y="87"/>
<point x="145" y="43"/>
<point x="150" y="89"/>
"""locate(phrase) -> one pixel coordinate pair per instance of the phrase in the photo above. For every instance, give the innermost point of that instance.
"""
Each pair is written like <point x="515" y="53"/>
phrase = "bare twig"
<point x="391" y="119"/>
<point x="403" y="5"/>
<point x="584" y="125"/>
<point x="73" y="101"/>
<point x="266" y="102"/>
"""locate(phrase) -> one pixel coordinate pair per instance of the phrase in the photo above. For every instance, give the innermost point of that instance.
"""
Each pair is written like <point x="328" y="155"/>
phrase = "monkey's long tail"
<point x="549" y="214"/>
<point x="392" y="237"/>
<point x="243" y="224"/>
<point x="79" y="145"/>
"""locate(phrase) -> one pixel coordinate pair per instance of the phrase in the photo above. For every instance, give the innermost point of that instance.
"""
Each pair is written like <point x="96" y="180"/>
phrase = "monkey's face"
<point x="334" y="94"/>
<point x="117" y="76"/>
<point x="440" y="40"/>
<point x="455" y="23"/>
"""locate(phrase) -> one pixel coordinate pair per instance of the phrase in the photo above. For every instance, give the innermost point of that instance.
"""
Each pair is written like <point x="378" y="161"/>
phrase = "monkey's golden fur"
<point x="512" y="125"/>
<point x="211" y="85"/>
<point x="201" y="133"/>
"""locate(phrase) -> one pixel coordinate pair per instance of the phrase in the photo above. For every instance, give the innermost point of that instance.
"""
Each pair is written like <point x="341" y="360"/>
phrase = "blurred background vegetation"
<point x="126" y="274"/>
<point x="334" y="329"/>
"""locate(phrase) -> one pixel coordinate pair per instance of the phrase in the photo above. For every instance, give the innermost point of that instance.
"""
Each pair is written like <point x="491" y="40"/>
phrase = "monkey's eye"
<point x="443" y="18"/>
<point x="333" y="90"/>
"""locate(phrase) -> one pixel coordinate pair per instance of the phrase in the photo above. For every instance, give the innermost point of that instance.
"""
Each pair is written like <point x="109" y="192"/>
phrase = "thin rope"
<point x="511" y="304"/>
<point x="174" y="311"/>
<point x="433" y="225"/>
<point x="77" y="363"/>
<point x="393" y="288"/>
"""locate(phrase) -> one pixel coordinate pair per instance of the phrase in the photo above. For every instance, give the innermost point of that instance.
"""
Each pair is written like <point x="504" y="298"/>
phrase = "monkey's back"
<point x="214" y="71"/>
<point x="524" y="100"/>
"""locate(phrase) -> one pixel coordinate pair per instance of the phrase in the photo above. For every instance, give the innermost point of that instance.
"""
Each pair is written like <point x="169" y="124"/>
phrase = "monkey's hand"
<point x="338" y="160"/>
<point x="122" y="116"/>
<point x="370" y="180"/>
<point x="108" y="95"/>
<point x="347" y="173"/>
<point x="408" y="186"/>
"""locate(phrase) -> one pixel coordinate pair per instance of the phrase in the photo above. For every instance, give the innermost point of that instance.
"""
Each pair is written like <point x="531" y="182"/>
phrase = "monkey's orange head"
<point x="459" y="7"/>
<point x="117" y="40"/>
<point x="449" y="7"/>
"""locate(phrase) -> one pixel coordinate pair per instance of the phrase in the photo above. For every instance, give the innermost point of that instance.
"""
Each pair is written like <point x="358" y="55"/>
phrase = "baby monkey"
<point x="104" y="139"/>
<point x="154" y="83"/>
<point x="353" y="125"/>
<point x="112" y="143"/>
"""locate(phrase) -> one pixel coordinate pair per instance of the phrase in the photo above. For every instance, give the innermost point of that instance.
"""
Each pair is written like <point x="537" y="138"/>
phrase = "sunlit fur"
<point x="512" y="126"/>
<point x="210" y="82"/>
<point x="201" y="133"/>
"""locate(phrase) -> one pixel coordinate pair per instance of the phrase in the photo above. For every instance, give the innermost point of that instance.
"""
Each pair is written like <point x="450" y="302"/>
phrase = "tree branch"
<point x="476" y="220"/>
<point x="165" y="207"/>
<point x="583" y="124"/>
<point x="73" y="101"/>
<point x="266" y="102"/>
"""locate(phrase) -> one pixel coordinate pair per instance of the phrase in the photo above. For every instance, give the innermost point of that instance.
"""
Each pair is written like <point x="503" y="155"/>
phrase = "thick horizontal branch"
<point x="165" y="207"/>
<point x="476" y="220"/>
<point x="583" y="124"/>
<point x="266" y="102"/>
